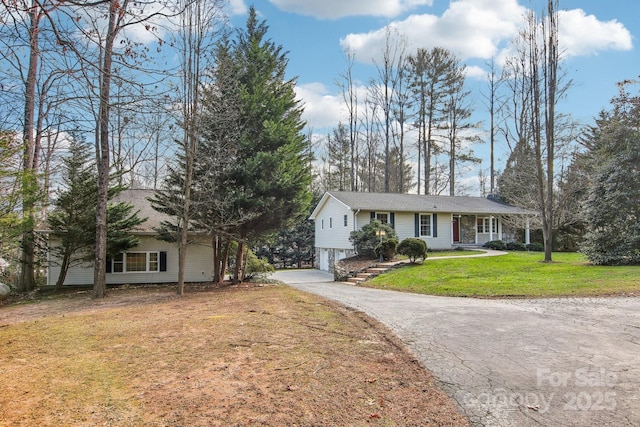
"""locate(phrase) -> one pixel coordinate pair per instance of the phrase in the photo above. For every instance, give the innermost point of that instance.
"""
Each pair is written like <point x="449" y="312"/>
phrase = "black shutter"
<point x="163" y="261"/>
<point x="373" y="215"/>
<point x="416" y="224"/>
<point x="434" y="232"/>
<point x="392" y="219"/>
<point x="108" y="265"/>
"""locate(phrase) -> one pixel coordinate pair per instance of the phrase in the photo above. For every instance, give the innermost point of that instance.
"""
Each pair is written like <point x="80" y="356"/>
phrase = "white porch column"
<point x="490" y="228"/>
<point x="527" y="233"/>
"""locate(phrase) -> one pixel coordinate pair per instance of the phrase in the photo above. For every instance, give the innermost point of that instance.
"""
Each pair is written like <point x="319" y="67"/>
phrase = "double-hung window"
<point x="425" y="225"/>
<point x="383" y="217"/>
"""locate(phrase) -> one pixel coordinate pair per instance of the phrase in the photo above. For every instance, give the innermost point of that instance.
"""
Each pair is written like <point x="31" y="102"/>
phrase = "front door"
<point x="456" y="229"/>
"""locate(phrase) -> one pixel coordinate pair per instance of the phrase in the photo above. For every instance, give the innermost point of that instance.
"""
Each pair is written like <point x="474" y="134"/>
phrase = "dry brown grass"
<point x="261" y="356"/>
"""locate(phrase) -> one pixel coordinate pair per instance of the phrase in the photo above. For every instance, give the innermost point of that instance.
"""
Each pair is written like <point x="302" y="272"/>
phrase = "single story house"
<point x="152" y="261"/>
<point x="443" y="222"/>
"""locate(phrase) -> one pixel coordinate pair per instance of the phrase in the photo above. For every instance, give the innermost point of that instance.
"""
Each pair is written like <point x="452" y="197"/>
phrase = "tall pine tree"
<point x="72" y="220"/>
<point x="271" y="175"/>
<point x="612" y="209"/>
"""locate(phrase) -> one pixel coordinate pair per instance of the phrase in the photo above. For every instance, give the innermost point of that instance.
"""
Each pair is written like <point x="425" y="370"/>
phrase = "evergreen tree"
<point x="215" y="209"/>
<point x="337" y="168"/>
<point x="72" y="216"/>
<point x="9" y="196"/>
<point x="433" y="75"/>
<point x="515" y="183"/>
<point x="252" y="169"/>
<point x="401" y="178"/>
<point x="612" y="210"/>
<point x="73" y="219"/>
<point x="271" y="175"/>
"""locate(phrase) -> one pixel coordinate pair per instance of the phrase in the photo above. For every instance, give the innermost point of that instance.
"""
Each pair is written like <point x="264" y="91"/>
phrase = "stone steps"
<point x="368" y="274"/>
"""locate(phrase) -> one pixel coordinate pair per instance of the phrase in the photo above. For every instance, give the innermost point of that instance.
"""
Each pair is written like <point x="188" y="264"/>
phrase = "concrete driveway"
<point x="544" y="362"/>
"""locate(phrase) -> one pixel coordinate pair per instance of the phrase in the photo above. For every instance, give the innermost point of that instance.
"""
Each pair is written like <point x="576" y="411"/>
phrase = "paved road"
<point x="545" y="362"/>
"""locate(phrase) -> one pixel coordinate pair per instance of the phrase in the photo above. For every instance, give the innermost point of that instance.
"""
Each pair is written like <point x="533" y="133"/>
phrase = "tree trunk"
<point x="452" y="167"/>
<point x="245" y="262"/>
<point x="237" y="274"/>
<point x="225" y="258"/>
<point x="217" y="255"/>
<point x="551" y="79"/>
<point x="29" y="181"/>
<point x="64" y="267"/>
<point x="99" y="272"/>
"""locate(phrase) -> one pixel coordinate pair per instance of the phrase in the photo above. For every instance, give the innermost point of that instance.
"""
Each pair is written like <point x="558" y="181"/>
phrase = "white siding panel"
<point x="334" y="234"/>
<point x="199" y="266"/>
<point x="405" y="228"/>
<point x="363" y="218"/>
<point x="199" y="263"/>
<point x="404" y="225"/>
<point x="445" y="233"/>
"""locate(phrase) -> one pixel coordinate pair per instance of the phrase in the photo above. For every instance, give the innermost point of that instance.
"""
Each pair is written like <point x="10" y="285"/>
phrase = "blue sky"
<point x="599" y="39"/>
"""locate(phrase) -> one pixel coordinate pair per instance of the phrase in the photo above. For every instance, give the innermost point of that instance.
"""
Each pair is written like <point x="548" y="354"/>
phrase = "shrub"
<point x="387" y="248"/>
<point x="516" y="246"/>
<point x="413" y="248"/>
<point x="536" y="247"/>
<point x="366" y="241"/>
<point x="257" y="267"/>
<point x="497" y="245"/>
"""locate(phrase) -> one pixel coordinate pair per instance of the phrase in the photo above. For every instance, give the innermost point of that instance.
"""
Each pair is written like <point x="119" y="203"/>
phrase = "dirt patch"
<point x="266" y="355"/>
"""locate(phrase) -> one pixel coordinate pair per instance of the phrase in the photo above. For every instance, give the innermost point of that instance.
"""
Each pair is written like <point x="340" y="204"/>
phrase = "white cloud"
<point x="321" y="109"/>
<point x="237" y="7"/>
<point x="334" y="9"/>
<point x="468" y="28"/>
<point x="582" y="34"/>
<point x="483" y="29"/>
<point x="477" y="73"/>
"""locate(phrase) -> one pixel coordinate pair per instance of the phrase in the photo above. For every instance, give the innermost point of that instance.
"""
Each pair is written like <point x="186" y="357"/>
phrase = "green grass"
<point x="518" y="274"/>
<point x="464" y="252"/>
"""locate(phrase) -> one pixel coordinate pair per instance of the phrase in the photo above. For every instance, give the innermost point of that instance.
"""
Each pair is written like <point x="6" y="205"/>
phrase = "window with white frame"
<point x="330" y="222"/>
<point x="483" y="225"/>
<point x="383" y="217"/>
<point x="425" y="225"/>
<point x="136" y="262"/>
<point x="346" y="222"/>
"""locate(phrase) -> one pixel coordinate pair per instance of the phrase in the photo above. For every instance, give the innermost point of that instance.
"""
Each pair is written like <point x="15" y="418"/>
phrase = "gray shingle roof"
<point x="138" y="198"/>
<point x="423" y="203"/>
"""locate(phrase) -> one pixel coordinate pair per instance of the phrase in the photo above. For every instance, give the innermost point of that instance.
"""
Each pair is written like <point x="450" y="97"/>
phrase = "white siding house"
<point x="443" y="222"/>
<point x="152" y="261"/>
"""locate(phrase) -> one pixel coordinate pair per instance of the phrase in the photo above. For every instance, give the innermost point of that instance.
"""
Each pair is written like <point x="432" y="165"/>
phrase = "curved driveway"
<point x="544" y="362"/>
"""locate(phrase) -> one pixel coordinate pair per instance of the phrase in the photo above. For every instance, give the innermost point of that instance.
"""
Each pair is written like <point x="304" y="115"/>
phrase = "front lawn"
<point x="230" y="357"/>
<point x="463" y="252"/>
<point x="519" y="274"/>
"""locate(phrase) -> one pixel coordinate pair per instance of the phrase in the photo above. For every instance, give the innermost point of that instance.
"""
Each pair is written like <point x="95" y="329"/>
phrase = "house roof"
<point x="139" y="199"/>
<point x="419" y="203"/>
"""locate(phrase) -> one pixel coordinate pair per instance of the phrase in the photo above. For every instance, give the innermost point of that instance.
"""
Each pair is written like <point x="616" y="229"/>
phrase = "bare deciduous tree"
<point x="383" y="88"/>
